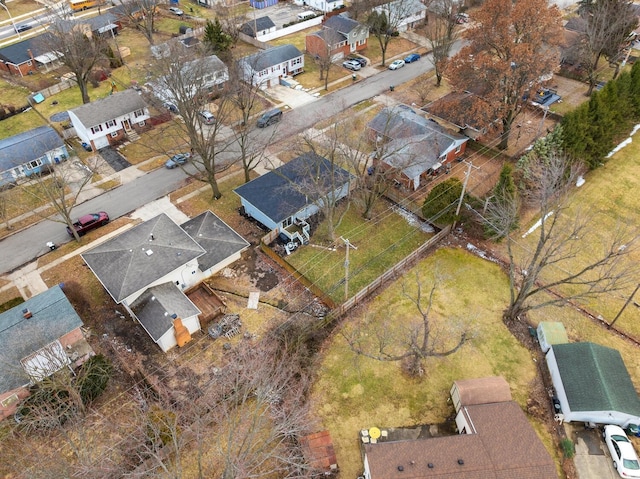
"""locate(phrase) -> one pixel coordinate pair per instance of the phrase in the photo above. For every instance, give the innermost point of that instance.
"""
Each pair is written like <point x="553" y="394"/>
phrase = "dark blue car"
<point x="414" y="57"/>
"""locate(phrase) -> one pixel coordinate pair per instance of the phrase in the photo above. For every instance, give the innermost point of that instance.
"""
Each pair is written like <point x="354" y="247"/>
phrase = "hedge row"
<point x="593" y="129"/>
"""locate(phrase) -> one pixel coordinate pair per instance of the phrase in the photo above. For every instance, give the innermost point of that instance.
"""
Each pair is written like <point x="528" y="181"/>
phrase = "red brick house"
<point x="26" y="56"/>
<point x="412" y="145"/>
<point x="342" y="34"/>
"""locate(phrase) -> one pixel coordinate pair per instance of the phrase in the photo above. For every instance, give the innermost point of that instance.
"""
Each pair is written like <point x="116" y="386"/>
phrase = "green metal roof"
<point x="595" y="378"/>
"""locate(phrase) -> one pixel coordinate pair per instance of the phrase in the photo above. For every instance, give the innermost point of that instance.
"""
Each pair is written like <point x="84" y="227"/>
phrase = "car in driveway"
<point x="89" y="222"/>
<point x="23" y="28"/>
<point x="396" y="64"/>
<point x="207" y="117"/>
<point x="361" y="60"/>
<point x="176" y="11"/>
<point x="351" y="65"/>
<point x="177" y="160"/>
<point x="623" y="455"/>
<point x="414" y="57"/>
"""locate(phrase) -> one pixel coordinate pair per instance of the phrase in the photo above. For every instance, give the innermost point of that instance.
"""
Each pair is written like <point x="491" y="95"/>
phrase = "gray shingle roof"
<point x="18" y="53"/>
<point x="416" y="143"/>
<point x="26" y="146"/>
<point x="595" y="378"/>
<point x="260" y="24"/>
<point x="108" y="108"/>
<point x="53" y="317"/>
<point x="341" y="24"/>
<point x="132" y="260"/>
<point x="95" y="23"/>
<point x="274" y="194"/>
<point x="272" y="56"/>
<point x="216" y="238"/>
<point x="156" y="305"/>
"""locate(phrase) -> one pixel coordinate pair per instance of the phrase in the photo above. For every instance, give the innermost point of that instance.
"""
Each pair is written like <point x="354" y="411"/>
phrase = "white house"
<point x="404" y="15"/>
<point x="148" y="267"/>
<point x="265" y="68"/>
<point x="109" y="120"/>
<point x="325" y="5"/>
<point x="203" y="75"/>
<point x="593" y="385"/>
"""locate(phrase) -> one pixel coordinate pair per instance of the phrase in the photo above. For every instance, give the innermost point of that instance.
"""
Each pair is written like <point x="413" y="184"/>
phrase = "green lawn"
<point x="380" y="244"/>
<point x="610" y="198"/>
<point x="353" y="392"/>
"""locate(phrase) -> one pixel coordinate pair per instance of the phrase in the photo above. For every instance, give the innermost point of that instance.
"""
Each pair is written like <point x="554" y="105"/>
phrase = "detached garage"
<point x="593" y="385"/>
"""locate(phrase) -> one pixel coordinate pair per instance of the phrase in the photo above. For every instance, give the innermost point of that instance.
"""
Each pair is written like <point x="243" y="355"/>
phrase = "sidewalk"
<point x="28" y="279"/>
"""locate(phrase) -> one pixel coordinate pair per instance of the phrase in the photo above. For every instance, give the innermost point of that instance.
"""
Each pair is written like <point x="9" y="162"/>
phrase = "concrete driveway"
<point x="591" y="459"/>
<point x="290" y="96"/>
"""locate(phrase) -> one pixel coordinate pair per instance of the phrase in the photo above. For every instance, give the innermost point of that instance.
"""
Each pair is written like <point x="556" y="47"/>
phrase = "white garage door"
<point x="101" y="142"/>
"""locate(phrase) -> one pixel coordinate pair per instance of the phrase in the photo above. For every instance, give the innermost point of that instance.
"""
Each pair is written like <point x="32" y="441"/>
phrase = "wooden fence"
<point x="339" y="310"/>
<point x="326" y="299"/>
<point x="365" y="292"/>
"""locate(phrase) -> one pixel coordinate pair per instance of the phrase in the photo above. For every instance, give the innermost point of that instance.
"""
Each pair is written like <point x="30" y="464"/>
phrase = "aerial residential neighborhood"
<point x="285" y="239"/>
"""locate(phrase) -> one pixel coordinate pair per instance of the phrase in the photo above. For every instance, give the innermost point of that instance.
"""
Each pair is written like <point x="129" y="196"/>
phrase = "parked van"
<point x="270" y="117"/>
<point x="306" y="15"/>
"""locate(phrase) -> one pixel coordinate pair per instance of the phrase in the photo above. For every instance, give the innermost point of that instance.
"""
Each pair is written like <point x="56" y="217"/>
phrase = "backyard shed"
<point x="550" y="333"/>
<point x="593" y="385"/>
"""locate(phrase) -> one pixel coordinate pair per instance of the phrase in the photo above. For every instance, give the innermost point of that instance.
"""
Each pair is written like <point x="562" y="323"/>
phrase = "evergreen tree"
<point x="440" y="204"/>
<point x="216" y="39"/>
<point x="634" y="90"/>
<point x="575" y="125"/>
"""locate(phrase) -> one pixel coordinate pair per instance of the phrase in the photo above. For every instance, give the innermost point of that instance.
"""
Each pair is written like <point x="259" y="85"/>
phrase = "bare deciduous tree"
<point x="246" y="98"/>
<point x="231" y="18"/>
<point x="331" y="38"/>
<point x="245" y="423"/>
<point x="192" y="84"/>
<point x="79" y="50"/>
<point x="605" y="25"/>
<point x="562" y="259"/>
<point x="441" y="33"/>
<point x="322" y="178"/>
<point x="141" y="15"/>
<point x="60" y="187"/>
<point x="411" y="344"/>
<point x="385" y="20"/>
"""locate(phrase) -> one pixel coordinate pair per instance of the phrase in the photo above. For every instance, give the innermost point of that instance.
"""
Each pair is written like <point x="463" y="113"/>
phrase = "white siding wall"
<point x="168" y="339"/>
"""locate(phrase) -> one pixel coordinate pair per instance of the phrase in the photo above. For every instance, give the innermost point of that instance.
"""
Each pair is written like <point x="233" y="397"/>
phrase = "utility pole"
<point x="544" y="117"/>
<point x="347" y="245"/>
<point x="625" y="305"/>
<point x="464" y="189"/>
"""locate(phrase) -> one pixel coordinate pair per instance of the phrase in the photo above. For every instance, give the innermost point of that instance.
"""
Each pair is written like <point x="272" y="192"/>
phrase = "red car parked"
<point x="89" y="222"/>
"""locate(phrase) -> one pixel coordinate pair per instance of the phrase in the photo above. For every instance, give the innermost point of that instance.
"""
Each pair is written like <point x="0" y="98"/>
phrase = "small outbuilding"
<point x="593" y="385"/>
<point x="550" y="333"/>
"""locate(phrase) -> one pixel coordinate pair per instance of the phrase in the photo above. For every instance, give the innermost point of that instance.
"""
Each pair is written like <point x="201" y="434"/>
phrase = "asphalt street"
<point x="28" y="244"/>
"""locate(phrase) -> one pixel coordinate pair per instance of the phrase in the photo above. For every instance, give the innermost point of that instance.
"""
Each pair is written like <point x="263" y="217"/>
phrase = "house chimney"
<point x="30" y="54"/>
<point x="26" y="314"/>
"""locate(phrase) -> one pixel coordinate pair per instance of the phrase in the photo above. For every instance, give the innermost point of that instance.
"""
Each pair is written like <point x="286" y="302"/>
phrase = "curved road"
<point x="30" y="243"/>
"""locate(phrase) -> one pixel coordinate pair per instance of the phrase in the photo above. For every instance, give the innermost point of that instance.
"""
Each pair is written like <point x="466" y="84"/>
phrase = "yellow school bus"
<point x="79" y="5"/>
